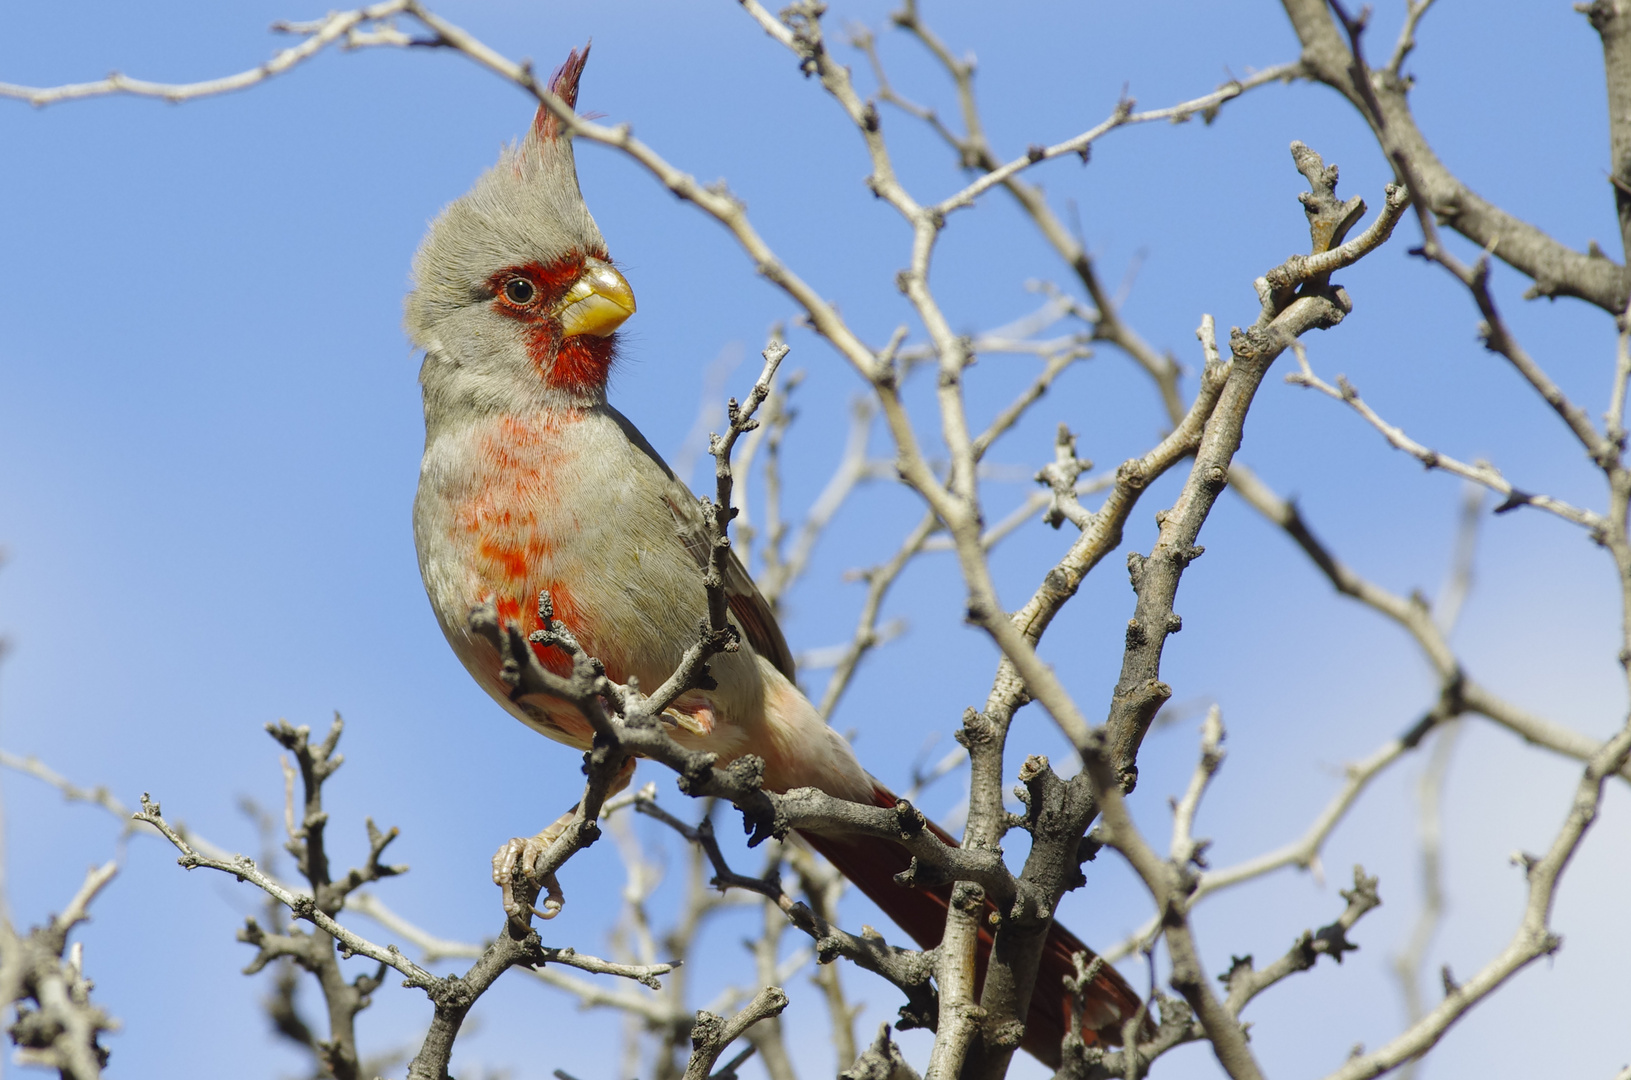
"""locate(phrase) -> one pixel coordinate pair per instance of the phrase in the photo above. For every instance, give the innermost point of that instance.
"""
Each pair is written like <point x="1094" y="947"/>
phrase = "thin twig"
<point x="1533" y="938"/>
<point x="343" y="27"/>
<point x="1478" y="472"/>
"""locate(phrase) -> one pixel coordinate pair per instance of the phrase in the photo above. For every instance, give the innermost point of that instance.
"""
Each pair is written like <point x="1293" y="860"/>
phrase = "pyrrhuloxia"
<point x="531" y="481"/>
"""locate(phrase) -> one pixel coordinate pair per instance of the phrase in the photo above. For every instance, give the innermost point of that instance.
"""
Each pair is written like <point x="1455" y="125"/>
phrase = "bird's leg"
<point x="514" y="862"/>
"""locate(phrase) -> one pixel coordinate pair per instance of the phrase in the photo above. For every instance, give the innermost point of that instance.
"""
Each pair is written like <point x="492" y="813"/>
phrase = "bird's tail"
<point x="872" y="863"/>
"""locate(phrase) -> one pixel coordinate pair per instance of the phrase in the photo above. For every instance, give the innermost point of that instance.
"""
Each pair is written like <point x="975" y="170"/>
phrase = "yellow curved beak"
<point x="598" y="301"/>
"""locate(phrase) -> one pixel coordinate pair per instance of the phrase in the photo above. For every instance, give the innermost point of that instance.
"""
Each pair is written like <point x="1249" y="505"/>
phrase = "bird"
<point x="531" y="481"/>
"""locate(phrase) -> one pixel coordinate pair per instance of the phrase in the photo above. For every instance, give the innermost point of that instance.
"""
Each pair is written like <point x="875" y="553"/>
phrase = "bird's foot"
<point x="513" y="873"/>
<point x="691" y="713"/>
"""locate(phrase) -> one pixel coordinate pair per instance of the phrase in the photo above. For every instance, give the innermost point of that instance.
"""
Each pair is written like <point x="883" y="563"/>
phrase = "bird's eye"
<point x="519" y="291"/>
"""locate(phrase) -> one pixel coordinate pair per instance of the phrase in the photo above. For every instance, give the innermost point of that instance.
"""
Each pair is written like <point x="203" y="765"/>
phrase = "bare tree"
<point x="973" y="988"/>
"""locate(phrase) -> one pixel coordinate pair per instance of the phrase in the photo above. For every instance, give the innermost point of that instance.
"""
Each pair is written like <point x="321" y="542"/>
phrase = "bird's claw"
<point x="513" y="873"/>
<point x="691" y="713"/>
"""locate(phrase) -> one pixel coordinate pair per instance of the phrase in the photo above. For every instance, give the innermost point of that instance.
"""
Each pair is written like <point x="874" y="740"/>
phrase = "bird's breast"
<point x="495" y="521"/>
<point x="504" y="518"/>
<point x="510" y="506"/>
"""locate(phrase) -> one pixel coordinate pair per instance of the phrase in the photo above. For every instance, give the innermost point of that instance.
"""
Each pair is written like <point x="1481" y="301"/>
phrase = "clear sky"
<point x="210" y="430"/>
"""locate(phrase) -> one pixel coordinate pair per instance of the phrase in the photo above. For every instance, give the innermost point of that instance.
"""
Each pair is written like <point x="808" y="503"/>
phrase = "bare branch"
<point x="1478" y="473"/>
<point x="1614" y="429"/>
<point x="1167" y="885"/>
<point x="1612" y="21"/>
<point x="1034" y="504"/>
<point x="1123" y="116"/>
<point x="909" y="970"/>
<point x="97" y="796"/>
<point x="822" y="886"/>
<point x="1556" y="269"/>
<point x="1416" y="618"/>
<point x="1304" y="852"/>
<point x="453" y="997"/>
<point x="1186" y="850"/>
<point x="1244" y="982"/>
<point x="880" y="1061"/>
<point x="975" y="152"/>
<point x="719" y="514"/>
<point x="712" y="1034"/>
<point x="1407" y="964"/>
<point x="853" y="468"/>
<point x="302" y="907"/>
<point x="1296" y="298"/>
<point x="766" y="1035"/>
<point x="63" y="1030"/>
<point x="1534" y="937"/>
<point x="1498" y="338"/>
<point x="1414" y="10"/>
<point x="348" y="28"/>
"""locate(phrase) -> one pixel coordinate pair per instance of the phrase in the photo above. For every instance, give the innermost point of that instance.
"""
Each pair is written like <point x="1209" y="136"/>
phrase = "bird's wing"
<point x="747" y="603"/>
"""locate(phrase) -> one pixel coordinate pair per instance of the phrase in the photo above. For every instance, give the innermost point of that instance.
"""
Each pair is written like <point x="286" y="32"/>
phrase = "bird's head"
<point x="515" y="300"/>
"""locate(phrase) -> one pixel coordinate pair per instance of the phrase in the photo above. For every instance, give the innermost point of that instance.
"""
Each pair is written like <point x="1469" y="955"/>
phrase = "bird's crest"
<point x="526" y="209"/>
<point x="546" y="126"/>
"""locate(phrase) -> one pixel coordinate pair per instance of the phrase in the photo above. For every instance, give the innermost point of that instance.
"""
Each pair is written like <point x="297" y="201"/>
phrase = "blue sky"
<point x="210" y="429"/>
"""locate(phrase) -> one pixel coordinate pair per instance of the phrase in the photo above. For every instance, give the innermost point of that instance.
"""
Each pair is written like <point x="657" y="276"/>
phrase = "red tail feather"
<point x="872" y="864"/>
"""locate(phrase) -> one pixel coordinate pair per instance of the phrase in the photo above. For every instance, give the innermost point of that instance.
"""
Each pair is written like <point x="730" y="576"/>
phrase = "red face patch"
<point x="530" y="294"/>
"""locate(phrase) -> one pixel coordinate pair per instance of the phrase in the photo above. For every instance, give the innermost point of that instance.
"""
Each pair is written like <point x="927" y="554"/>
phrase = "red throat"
<point x="578" y="364"/>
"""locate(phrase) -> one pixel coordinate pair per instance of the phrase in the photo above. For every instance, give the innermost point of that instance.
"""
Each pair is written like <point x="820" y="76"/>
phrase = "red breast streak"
<point x="505" y="527"/>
